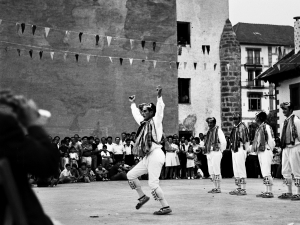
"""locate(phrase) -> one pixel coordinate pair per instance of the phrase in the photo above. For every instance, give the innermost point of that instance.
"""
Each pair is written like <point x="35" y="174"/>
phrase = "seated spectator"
<point x="92" y="174"/>
<point x="84" y="174"/>
<point x="106" y="157"/>
<point x="73" y="156"/>
<point x="66" y="175"/>
<point x="65" y="160"/>
<point x="74" y="171"/>
<point x="101" y="173"/>
<point x="116" y="172"/>
<point x="124" y="167"/>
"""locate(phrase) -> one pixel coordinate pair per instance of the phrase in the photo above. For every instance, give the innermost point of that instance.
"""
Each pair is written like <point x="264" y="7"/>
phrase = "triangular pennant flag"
<point x="208" y="49"/>
<point x="204" y="66"/>
<point x="131" y="43"/>
<point x="80" y="36"/>
<point x="185" y="63"/>
<point x="65" y="56"/>
<point x="215" y="66"/>
<point x="52" y="54"/>
<point x="177" y="64"/>
<point x="195" y="65"/>
<point x="154" y="46"/>
<point x="121" y="61"/>
<point x="143" y="60"/>
<point x="108" y="40"/>
<point x="170" y="65"/>
<point x="0" y="21"/>
<point x="30" y="53"/>
<point x="143" y="44"/>
<point x="203" y="49"/>
<point x="33" y="29"/>
<point x="19" y="52"/>
<point x="130" y="60"/>
<point x="97" y="39"/>
<point x="228" y="66"/>
<point x="110" y="58"/>
<point x="88" y="58"/>
<point x="23" y="27"/>
<point x="154" y="63"/>
<point x="278" y="65"/>
<point x="41" y="54"/>
<point x="47" y="29"/>
<point x="18" y="27"/>
<point x="76" y="57"/>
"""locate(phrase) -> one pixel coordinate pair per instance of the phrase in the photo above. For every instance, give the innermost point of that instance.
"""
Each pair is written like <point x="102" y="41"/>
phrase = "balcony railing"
<point x="255" y="83"/>
<point x="254" y="60"/>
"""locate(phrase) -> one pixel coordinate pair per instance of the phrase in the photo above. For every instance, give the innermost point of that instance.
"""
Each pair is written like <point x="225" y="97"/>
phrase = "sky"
<point x="278" y="12"/>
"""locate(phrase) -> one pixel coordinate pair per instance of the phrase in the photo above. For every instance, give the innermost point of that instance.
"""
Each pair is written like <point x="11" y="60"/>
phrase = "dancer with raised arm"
<point x="148" y="137"/>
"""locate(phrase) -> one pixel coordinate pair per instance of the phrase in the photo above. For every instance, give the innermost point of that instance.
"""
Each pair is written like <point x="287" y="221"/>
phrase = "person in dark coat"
<point x="26" y="146"/>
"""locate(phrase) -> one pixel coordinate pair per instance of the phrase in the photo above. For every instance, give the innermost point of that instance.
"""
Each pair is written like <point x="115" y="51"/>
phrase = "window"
<point x="294" y="95"/>
<point x="252" y="74"/>
<point x="254" y="100"/>
<point x="183" y="33"/>
<point x="184" y="90"/>
<point x="253" y="56"/>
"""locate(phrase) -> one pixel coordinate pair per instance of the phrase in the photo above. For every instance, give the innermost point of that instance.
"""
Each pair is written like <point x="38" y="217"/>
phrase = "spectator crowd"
<point x="88" y="159"/>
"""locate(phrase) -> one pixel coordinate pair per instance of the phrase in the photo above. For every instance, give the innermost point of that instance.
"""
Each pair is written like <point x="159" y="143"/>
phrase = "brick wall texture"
<point x="230" y="57"/>
<point x="90" y="98"/>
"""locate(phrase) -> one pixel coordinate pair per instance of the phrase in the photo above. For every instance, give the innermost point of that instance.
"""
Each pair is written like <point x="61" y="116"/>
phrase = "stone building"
<point x="208" y="87"/>
<point x="262" y="45"/>
<point x="82" y="59"/>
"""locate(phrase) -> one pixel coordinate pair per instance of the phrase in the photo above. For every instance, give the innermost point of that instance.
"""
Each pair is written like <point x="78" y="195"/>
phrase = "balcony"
<point x="254" y="60"/>
<point x="254" y="84"/>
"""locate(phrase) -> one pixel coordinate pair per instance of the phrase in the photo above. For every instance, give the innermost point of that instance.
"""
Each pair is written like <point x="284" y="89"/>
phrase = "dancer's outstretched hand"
<point x="132" y="98"/>
<point x="159" y="91"/>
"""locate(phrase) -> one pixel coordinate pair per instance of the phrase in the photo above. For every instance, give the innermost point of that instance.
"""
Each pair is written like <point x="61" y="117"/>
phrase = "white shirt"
<point x="185" y="147"/>
<point x="127" y="149"/>
<point x="158" y="118"/>
<point x="175" y="146"/>
<point x="201" y="144"/>
<point x="103" y="153"/>
<point x="74" y="155"/>
<point x="110" y="147"/>
<point x="118" y="149"/>
<point x="65" y="173"/>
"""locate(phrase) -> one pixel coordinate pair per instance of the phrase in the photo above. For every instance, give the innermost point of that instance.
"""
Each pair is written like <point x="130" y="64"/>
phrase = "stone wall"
<point x="90" y="98"/>
<point x="230" y="57"/>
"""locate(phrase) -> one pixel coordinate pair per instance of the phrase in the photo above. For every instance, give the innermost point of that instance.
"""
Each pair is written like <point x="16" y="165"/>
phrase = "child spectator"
<point x="65" y="160"/>
<point x="84" y="174"/>
<point x="91" y="173"/>
<point x="190" y="163"/>
<point x="106" y="157"/>
<point x="66" y="176"/>
<point x="73" y="156"/>
<point x="124" y="167"/>
<point x="199" y="172"/>
<point x="101" y="173"/>
<point x="74" y="171"/>
<point x="62" y="150"/>
<point x="276" y="158"/>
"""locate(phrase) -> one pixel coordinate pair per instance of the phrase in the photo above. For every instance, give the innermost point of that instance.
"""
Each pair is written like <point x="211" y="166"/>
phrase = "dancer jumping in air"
<point x="148" y="136"/>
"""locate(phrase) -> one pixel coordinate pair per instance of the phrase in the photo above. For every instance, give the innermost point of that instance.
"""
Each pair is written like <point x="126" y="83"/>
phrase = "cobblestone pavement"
<point x="113" y="202"/>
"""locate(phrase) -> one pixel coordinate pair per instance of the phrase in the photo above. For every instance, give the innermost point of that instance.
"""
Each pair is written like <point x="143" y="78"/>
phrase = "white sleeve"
<point x="271" y="141"/>
<point x="159" y="115"/>
<point x="222" y="140"/>
<point x="297" y="124"/>
<point x="136" y="113"/>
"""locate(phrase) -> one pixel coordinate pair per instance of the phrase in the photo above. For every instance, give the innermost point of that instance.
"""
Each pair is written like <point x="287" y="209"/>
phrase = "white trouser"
<point x="214" y="162"/>
<point x="238" y="163"/>
<point x="87" y="160"/>
<point x="291" y="162"/>
<point x="265" y="161"/>
<point x="152" y="165"/>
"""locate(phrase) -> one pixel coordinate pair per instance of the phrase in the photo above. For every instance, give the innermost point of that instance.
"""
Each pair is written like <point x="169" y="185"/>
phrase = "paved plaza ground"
<point x="113" y="202"/>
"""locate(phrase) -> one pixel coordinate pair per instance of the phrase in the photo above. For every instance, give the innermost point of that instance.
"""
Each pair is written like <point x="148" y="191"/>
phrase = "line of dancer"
<point x="148" y="146"/>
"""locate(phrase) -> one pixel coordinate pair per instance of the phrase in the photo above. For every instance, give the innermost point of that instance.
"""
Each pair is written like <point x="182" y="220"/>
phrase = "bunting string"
<point x="47" y="29"/>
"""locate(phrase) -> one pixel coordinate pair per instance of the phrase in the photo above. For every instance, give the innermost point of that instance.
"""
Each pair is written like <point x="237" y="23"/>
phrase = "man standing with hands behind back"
<point x="25" y="144"/>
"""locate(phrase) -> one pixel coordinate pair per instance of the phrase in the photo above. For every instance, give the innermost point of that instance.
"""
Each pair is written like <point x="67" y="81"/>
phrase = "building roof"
<point x="249" y="33"/>
<point x="286" y="68"/>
